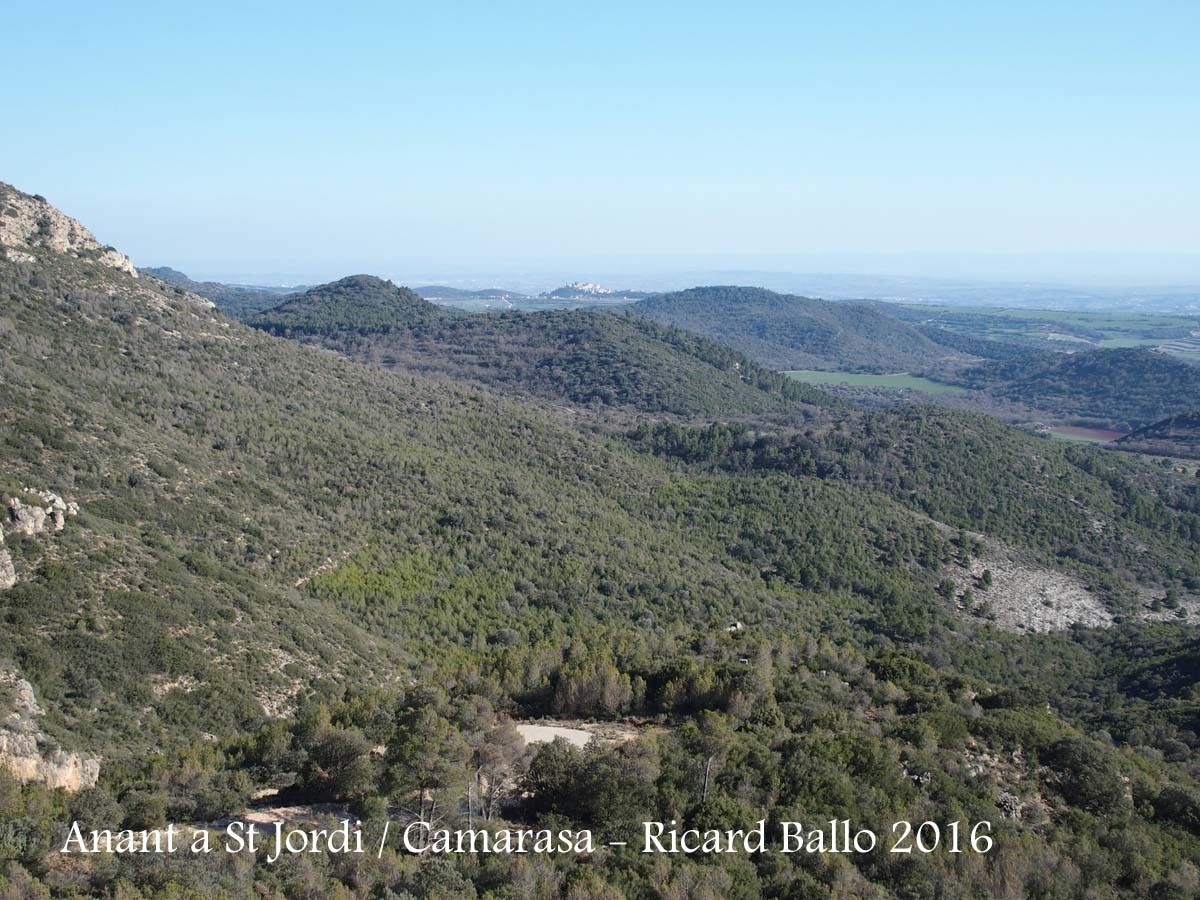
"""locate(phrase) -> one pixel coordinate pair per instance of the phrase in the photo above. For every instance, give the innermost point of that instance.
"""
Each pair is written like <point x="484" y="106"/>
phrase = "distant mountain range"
<point x="1007" y="365"/>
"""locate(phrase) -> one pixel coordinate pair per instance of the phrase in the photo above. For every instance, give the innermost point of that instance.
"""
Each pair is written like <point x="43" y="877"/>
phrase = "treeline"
<point x="234" y="300"/>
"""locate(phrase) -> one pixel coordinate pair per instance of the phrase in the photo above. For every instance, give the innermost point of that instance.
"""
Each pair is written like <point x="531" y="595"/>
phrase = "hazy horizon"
<point x="1099" y="271"/>
<point x="1014" y="143"/>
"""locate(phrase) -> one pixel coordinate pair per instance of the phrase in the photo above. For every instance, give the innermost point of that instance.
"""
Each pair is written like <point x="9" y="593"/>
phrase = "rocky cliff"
<point x="29" y="223"/>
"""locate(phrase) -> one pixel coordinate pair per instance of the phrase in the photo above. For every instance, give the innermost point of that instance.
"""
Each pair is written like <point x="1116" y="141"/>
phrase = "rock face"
<point x="28" y="222"/>
<point x="34" y="518"/>
<point x="8" y="572"/>
<point x="31" y="755"/>
<point x="26" y="517"/>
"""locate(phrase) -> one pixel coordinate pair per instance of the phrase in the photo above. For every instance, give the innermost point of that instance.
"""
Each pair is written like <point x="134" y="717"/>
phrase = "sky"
<point x="1049" y="140"/>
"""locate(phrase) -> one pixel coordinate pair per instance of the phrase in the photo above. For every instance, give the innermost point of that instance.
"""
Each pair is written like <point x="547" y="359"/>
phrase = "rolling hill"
<point x="1125" y="389"/>
<point x="781" y="331"/>
<point x="358" y="304"/>
<point x="598" y="360"/>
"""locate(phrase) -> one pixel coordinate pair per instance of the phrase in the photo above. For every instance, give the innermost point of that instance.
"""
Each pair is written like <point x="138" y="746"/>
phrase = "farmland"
<point x="1063" y="330"/>
<point x="1085" y="435"/>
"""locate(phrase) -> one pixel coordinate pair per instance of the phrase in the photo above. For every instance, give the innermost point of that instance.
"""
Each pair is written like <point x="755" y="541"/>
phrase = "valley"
<point x="340" y="553"/>
<point x="498" y="451"/>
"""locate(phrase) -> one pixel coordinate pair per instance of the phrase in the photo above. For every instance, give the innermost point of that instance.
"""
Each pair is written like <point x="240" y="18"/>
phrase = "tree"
<point x="1088" y="776"/>
<point x="497" y="764"/>
<point x="427" y="762"/>
<point x="709" y="741"/>
<point x="339" y="764"/>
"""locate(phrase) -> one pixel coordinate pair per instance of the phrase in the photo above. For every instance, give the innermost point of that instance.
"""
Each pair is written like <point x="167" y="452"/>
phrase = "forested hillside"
<point x="360" y="304"/>
<point x="1123" y="389"/>
<point x="1111" y="519"/>
<point x="599" y="360"/>
<point x="234" y="300"/>
<point x="291" y="571"/>
<point x="781" y="331"/>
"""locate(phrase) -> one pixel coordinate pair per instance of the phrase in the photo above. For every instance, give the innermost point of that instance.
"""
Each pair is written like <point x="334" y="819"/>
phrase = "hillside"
<point x="359" y="304"/>
<point x="586" y="358"/>
<point x="234" y="300"/>
<point x="242" y="565"/>
<point x="781" y="331"/>
<point x="1177" y="435"/>
<point x="227" y="480"/>
<point x="1124" y="389"/>
<point x="1074" y="507"/>
<point x="30" y="227"/>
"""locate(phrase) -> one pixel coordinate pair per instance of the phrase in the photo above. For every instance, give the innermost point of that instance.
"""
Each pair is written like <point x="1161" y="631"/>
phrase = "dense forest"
<point x="298" y="576"/>
<point x="361" y="304"/>
<point x="1125" y="389"/>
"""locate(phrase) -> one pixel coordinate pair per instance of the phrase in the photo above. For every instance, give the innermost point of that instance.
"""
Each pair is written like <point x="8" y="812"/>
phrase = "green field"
<point x="1063" y="327"/>
<point x="900" y="381"/>
<point x="1077" y="435"/>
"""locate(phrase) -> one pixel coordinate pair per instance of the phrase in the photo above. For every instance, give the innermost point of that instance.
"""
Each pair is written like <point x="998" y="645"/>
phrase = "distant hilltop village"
<point x="587" y="287"/>
<point x="582" y="289"/>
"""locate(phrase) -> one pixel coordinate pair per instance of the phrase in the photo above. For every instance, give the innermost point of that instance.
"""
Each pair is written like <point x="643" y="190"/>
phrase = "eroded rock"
<point x="8" y="572"/>
<point x="19" y="516"/>
<point x="31" y="755"/>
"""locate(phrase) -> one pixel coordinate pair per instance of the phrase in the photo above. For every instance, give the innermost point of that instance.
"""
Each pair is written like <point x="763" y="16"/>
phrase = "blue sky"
<point x="919" y="138"/>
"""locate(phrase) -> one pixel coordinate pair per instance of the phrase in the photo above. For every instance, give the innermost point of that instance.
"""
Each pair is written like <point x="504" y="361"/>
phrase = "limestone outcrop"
<point x="27" y="752"/>
<point x="30" y="222"/>
<point x="8" y="572"/>
<point x="37" y="512"/>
